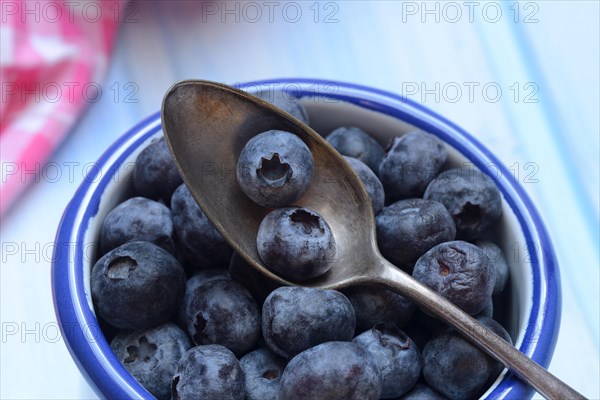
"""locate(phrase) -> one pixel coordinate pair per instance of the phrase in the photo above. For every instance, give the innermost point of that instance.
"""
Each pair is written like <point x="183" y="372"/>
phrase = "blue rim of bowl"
<point x="79" y="325"/>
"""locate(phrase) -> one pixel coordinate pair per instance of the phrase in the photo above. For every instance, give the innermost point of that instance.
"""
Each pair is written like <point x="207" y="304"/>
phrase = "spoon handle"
<point x="528" y="370"/>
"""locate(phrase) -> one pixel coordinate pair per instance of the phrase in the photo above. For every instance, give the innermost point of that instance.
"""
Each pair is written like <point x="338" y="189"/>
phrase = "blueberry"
<point x="332" y="371"/>
<point x="258" y="284"/>
<point x="471" y="198"/>
<point x="355" y="142"/>
<point x="223" y="312"/>
<point x="297" y="318"/>
<point x="371" y="182"/>
<point x="137" y="219"/>
<point x="410" y="163"/>
<point x="275" y="168"/>
<point x="498" y="329"/>
<point x="396" y="356"/>
<point x="208" y="372"/>
<point x="137" y="285"/>
<point x="498" y="260"/>
<point x="422" y="392"/>
<point x="201" y="244"/>
<point x="194" y="283"/>
<point x="407" y="229"/>
<point x="454" y="367"/>
<point x="151" y="355"/>
<point x="373" y="304"/>
<point x="286" y="102"/>
<point x="488" y="309"/>
<point x="457" y="368"/>
<point x="155" y="174"/>
<point x="460" y="272"/>
<point x="262" y="370"/>
<point x="296" y="243"/>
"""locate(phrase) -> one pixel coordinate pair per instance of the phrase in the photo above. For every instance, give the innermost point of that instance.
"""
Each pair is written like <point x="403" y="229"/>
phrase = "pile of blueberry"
<point x="190" y="319"/>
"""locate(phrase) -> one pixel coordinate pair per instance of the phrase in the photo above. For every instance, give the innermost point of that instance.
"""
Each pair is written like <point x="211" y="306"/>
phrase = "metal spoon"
<point x="207" y="124"/>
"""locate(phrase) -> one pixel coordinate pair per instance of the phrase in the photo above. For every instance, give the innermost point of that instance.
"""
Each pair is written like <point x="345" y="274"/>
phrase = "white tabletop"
<point x="532" y="68"/>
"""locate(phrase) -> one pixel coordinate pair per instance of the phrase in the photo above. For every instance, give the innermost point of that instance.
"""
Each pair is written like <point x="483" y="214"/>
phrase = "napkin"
<point x="53" y="56"/>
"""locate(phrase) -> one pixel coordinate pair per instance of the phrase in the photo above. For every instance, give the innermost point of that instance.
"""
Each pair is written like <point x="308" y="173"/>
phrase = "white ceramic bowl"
<point x="532" y="299"/>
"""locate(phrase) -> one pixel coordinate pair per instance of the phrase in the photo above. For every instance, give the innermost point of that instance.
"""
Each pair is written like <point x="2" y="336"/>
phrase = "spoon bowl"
<point x="206" y="125"/>
<point x="210" y="124"/>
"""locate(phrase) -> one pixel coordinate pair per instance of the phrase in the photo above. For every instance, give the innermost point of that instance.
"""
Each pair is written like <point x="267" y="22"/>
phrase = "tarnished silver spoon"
<point x="207" y="124"/>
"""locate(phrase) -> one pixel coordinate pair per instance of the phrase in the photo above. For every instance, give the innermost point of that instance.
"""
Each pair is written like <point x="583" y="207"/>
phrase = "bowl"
<point x="531" y="307"/>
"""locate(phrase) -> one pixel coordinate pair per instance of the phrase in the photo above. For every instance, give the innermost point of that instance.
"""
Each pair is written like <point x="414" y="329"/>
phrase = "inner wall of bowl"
<point x="327" y="114"/>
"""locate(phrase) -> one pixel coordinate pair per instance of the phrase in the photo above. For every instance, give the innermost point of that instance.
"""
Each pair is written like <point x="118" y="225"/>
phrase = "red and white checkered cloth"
<point x="52" y="58"/>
